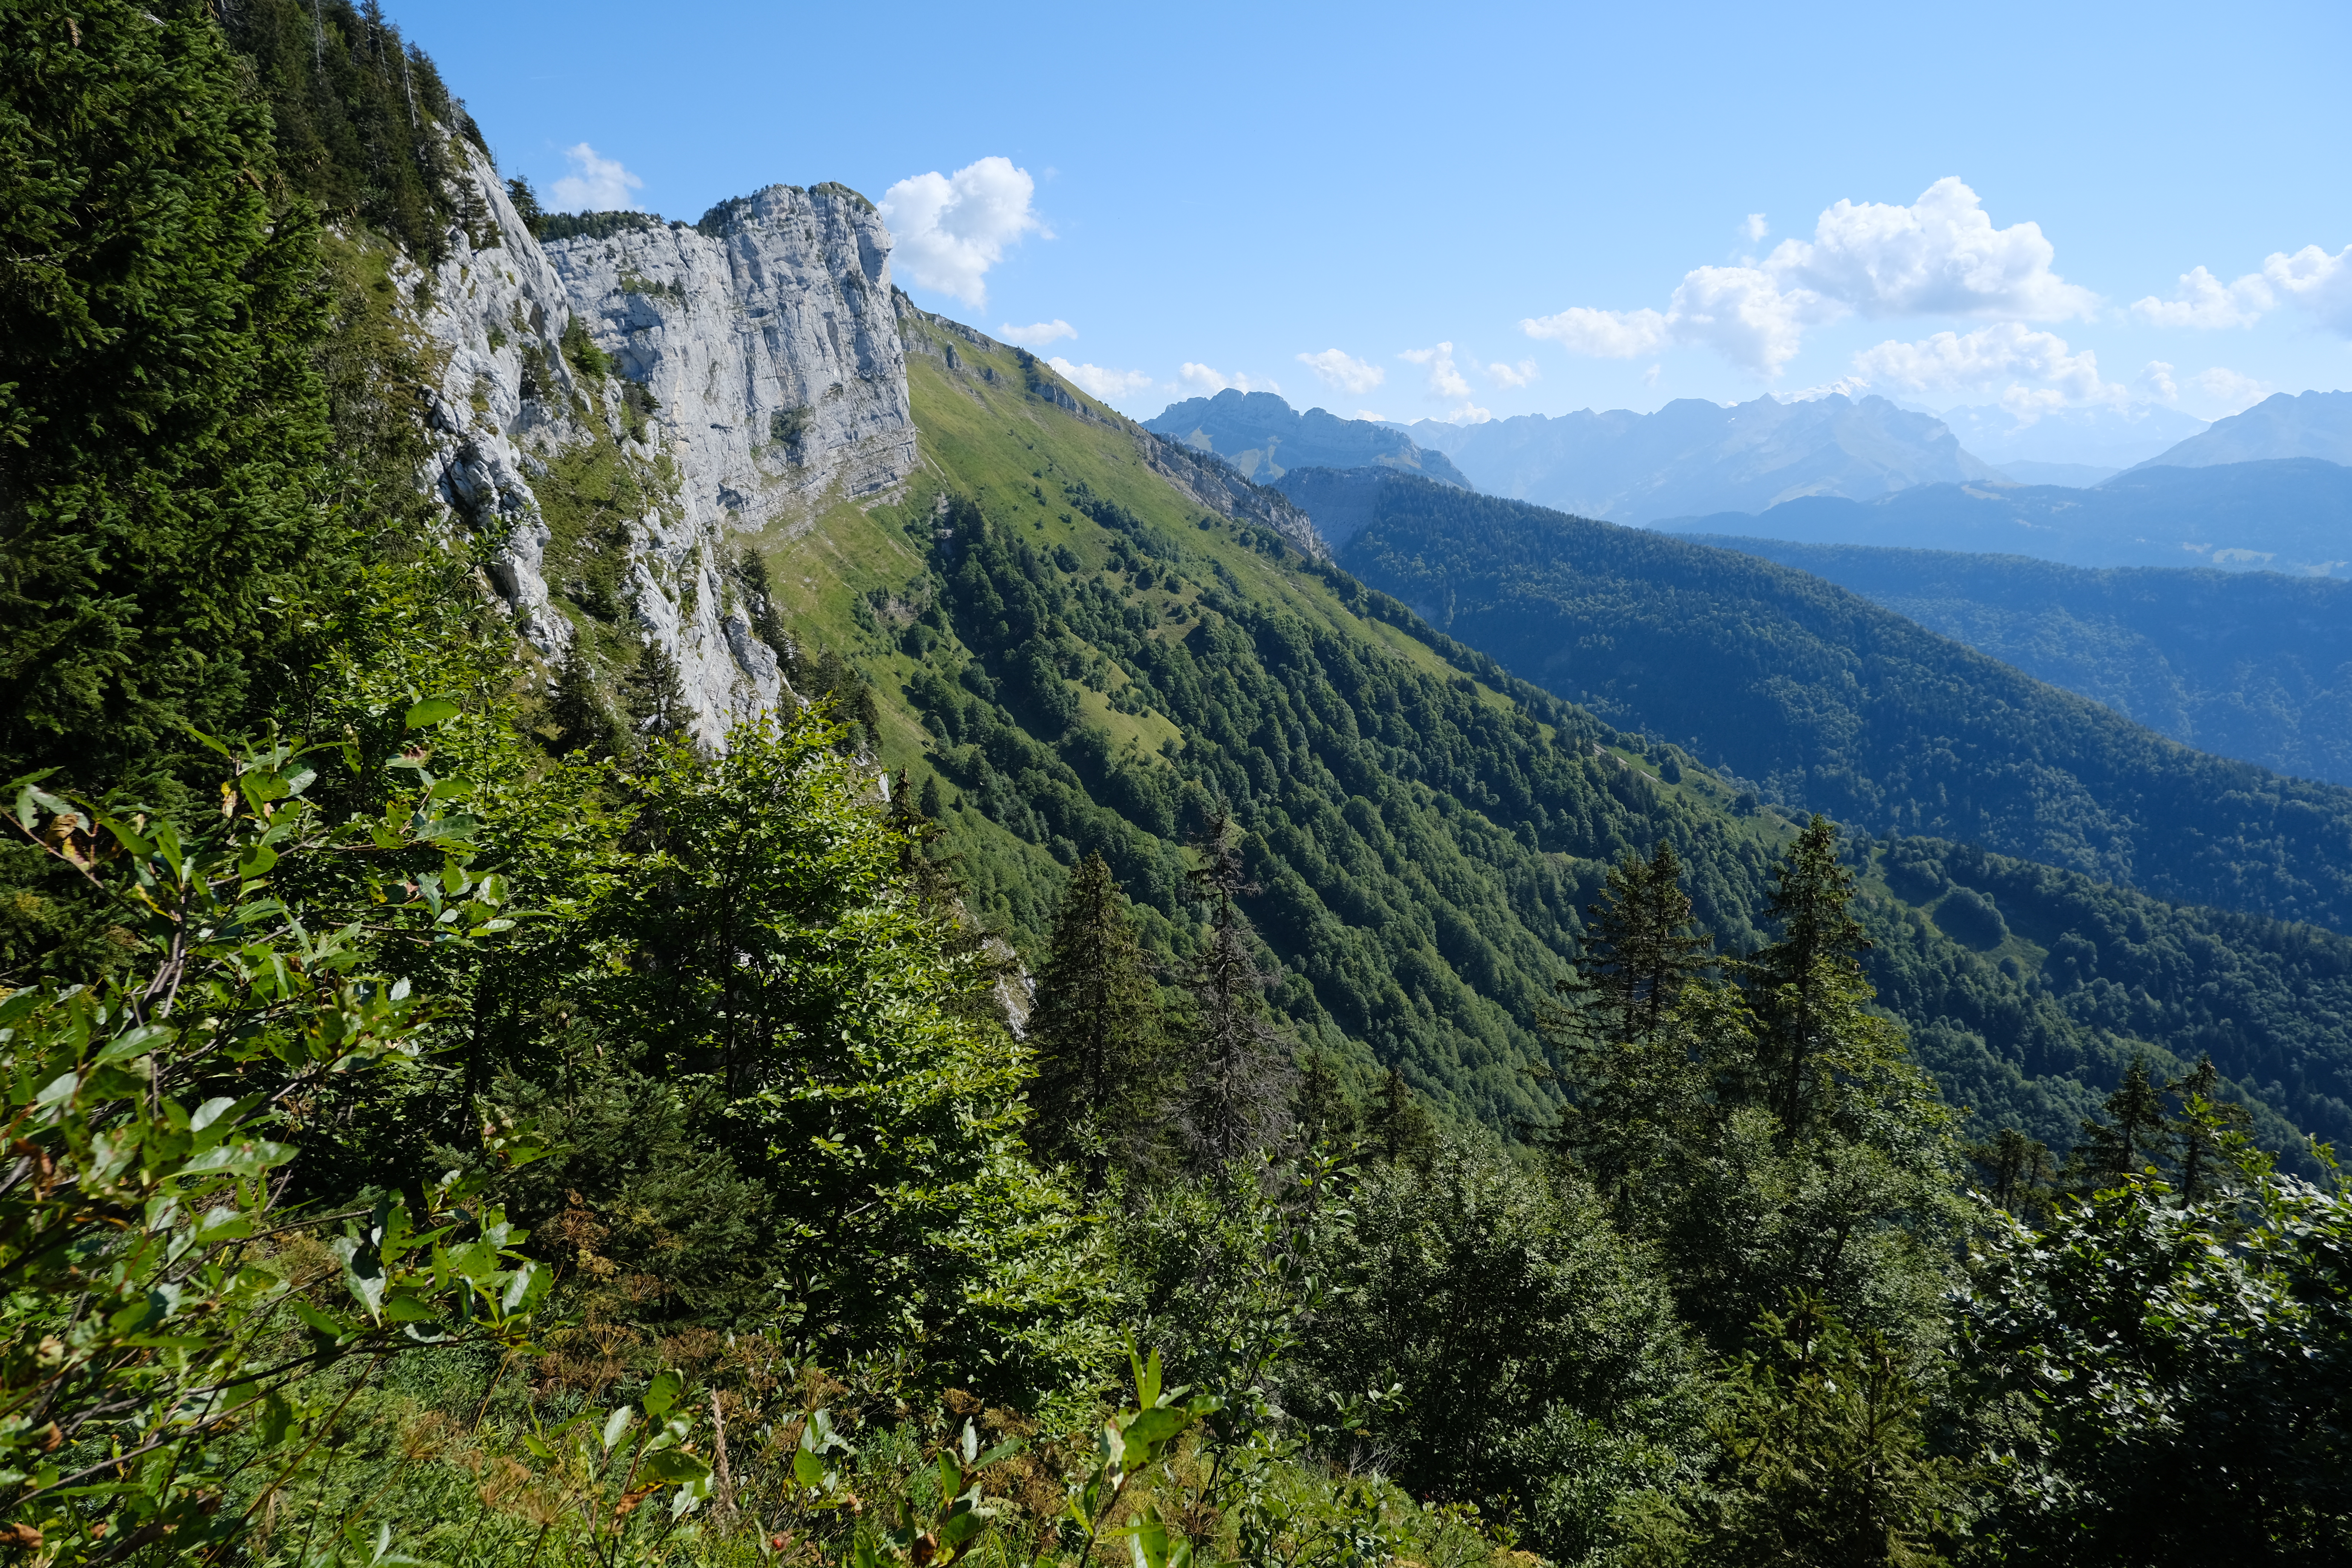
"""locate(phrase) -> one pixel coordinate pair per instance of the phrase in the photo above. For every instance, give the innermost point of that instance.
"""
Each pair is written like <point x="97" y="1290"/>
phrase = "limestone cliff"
<point x="717" y="377"/>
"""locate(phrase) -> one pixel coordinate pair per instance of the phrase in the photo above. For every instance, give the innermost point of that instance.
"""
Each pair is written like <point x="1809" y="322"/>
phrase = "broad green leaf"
<point x="807" y="1468"/>
<point x="673" y="1466"/>
<point x="618" y="1423"/>
<point x="432" y="710"/>
<point x="664" y="1392"/>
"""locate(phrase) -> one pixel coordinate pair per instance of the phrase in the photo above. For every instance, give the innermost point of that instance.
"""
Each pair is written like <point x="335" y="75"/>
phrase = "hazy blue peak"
<point x="1692" y="456"/>
<point x="1264" y="437"/>
<point x="2307" y="425"/>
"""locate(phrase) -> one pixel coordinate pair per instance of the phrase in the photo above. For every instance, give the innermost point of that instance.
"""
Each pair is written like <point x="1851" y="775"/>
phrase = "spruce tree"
<point x="1402" y="1131"/>
<point x="1628" y="1060"/>
<point x="2020" y="1170"/>
<point x="1640" y="951"/>
<point x="1236" y="1093"/>
<point x="577" y="712"/>
<point x="162" y="531"/>
<point x="1096" y="1031"/>
<point x="1320" y="1108"/>
<point x="659" y="709"/>
<point x="2140" y="1134"/>
<point x="2204" y="1128"/>
<point x="1804" y="986"/>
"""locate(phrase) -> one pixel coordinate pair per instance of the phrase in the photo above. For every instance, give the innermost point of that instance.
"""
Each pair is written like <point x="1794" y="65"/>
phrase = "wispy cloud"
<point x="596" y="184"/>
<point x="1037" y="334"/>
<point x="1344" y="371"/>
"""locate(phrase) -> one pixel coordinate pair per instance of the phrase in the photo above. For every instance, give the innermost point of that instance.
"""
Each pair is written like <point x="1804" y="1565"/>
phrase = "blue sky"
<point x="1499" y="210"/>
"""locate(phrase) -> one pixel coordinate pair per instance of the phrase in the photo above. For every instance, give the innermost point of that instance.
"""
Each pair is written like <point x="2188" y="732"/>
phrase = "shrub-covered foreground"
<point x="424" y="1147"/>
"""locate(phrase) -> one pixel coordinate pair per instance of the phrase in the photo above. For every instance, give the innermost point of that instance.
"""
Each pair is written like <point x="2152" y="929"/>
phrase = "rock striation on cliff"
<point x="714" y="379"/>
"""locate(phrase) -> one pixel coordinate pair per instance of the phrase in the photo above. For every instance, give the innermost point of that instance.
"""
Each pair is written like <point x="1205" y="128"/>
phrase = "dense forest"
<point x="1164" y="1059"/>
<point x="2251" y="665"/>
<point x="1841" y="707"/>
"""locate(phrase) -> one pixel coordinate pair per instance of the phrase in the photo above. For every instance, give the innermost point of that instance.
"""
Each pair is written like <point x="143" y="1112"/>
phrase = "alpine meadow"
<point x="659" y="907"/>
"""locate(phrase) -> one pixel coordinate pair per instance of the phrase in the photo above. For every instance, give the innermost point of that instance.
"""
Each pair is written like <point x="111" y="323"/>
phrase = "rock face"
<point x="766" y="338"/>
<point x="766" y="332"/>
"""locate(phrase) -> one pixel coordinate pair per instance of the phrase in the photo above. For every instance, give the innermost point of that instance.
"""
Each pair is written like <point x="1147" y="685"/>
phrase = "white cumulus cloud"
<point x="2040" y="372"/>
<point x="1603" y="334"/>
<point x="1939" y="256"/>
<point x="1373" y="415"/>
<point x="950" y="230"/>
<point x="1754" y="229"/>
<point x="1520" y="374"/>
<point x="1210" y="381"/>
<point x="1104" y="383"/>
<point x="596" y="184"/>
<point x="2204" y="300"/>
<point x="1037" y="334"/>
<point x="2317" y="281"/>
<point x="2158" y="381"/>
<point x="1343" y="370"/>
<point x="1444" y="380"/>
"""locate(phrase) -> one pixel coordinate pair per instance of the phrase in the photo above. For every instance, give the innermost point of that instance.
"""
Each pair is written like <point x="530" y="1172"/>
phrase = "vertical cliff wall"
<point x="744" y="373"/>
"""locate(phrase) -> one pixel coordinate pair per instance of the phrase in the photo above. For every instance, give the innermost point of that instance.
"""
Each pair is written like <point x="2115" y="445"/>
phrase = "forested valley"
<point x="1154" y="1053"/>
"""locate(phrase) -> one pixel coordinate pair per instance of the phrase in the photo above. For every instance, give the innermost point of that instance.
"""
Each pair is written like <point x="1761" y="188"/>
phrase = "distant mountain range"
<point x="2285" y="514"/>
<point x="1693" y="455"/>
<point x="2096" y="441"/>
<point x="2090" y="487"/>
<point x="2307" y="425"/>
<point x="1264" y="437"/>
<point x="2251" y="665"/>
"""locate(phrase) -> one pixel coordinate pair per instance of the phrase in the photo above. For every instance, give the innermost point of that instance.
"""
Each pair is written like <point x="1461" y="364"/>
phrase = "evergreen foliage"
<point x="1839" y="707"/>
<point x="1097" y="1030"/>
<point x="161" y="419"/>
<point x="361" y="120"/>
<point x="1238" y="1076"/>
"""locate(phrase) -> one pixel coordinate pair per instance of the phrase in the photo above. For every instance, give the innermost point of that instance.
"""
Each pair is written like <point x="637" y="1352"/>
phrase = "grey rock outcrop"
<point x="767" y="339"/>
<point x="766" y="332"/>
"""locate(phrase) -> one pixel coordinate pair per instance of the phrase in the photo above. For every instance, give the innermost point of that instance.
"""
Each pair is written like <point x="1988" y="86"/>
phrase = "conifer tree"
<point x="577" y="712"/>
<point x="1402" y="1131"/>
<point x="656" y="696"/>
<point x="1320" y="1108"/>
<point x="1236" y="1093"/>
<point x="1628" y="1064"/>
<point x="1639" y="951"/>
<point x="2020" y="1170"/>
<point x="1806" y="987"/>
<point x="2205" y="1122"/>
<point x="2140" y="1135"/>
<point x="1097" y="1030"/>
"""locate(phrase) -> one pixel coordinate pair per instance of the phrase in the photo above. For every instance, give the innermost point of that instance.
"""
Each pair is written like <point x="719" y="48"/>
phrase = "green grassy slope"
<point x="1067" y="660"/>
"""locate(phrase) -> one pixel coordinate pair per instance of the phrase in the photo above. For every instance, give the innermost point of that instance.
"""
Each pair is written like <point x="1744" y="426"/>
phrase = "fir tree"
<point x="580" y="721"/>
<point x="2021" y="1171"/>
<point x="1096" y="1029"/>
<point x="2205" y="1128"/>
<point x="1320" y="1108"/>
<point x="2140" y="1134"/>
<point x="659" y="709"/>
<point x="1640" y="951"/>
<point x="1402" y="1130"/>
<point x="1628" y="1063"/>
<point x="1804" y="986"/>
<point x="1233" y="1099"/>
